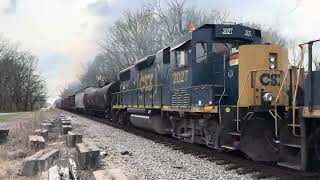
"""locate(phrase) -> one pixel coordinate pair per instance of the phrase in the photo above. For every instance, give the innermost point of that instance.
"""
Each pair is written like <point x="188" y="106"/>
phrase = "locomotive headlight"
<point x="272" y="59"/>
<point x="272" y="66"/>
<point x="267" y="97"/>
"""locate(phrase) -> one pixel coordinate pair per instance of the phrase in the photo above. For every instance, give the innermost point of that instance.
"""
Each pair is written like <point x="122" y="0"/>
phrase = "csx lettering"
<point x="146" y="82"/>
<point x="180" y="77"/>
<point x="270" y="79"/>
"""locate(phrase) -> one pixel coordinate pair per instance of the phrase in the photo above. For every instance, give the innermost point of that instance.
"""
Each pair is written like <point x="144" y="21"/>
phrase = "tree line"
<point x="21" y="86"/>
<point x="154" y="26"/>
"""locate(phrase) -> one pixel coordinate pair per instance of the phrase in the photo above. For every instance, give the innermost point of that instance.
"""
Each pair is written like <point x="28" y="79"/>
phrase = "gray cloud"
<point x="12" y="7"/>
<point x="99" y="8"/>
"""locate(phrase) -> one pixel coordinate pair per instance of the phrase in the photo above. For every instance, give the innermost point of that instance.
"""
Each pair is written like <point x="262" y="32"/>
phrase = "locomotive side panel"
<point x="146" y="71"/>
<point x="180" y="76"/>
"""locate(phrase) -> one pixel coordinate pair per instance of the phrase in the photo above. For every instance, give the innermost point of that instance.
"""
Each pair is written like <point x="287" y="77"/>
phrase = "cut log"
<point x="4" y="135"/>
<point x="47" y="126"/>
<point x="42" y="132"/>
<point x="73" y="139"/>
<point x="65" y="129"/>
<point x="39" y="162"/>
<point x="88" y="155"/>
<point x="36" y="143"/>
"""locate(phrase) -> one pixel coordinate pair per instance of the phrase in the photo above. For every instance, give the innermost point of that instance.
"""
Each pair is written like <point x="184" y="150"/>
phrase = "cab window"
<point x="220" y="47"/>
<point x="201" y="52"/>
<point x="181" y="58"/>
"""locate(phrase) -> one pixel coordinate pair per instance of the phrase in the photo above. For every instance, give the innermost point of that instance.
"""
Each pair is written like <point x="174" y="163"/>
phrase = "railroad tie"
<point x="242" y="171"/>
<point x="201" y="156"/>
<point x="221" y="162"/>
<point x="260" y="175"/>
<point x="231" y="167"/>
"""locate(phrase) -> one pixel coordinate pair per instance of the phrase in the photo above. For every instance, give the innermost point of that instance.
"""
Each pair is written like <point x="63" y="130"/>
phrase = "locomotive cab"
<point x="203" y="73"/>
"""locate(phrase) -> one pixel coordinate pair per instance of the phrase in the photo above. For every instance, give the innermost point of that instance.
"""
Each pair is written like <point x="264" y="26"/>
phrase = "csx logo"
<point x="146" y="82"/>
<point x="267" y="79"/>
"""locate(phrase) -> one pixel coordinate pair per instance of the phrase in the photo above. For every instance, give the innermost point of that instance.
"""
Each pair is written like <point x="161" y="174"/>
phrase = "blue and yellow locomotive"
<point x="221" y="87"/>
<point x="217" y="87"/>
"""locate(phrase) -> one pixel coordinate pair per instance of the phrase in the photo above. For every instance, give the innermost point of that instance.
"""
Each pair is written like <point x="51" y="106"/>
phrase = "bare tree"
<point x="269" y="34"/>
<point x="176" y="15"/>
<point x="21" y="87"/>
<point x="294" y="52"/>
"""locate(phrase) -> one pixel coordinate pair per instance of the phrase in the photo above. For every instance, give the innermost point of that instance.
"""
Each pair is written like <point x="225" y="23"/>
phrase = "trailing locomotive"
<point x="300" y="127"/>
<point x="218" y="86"/>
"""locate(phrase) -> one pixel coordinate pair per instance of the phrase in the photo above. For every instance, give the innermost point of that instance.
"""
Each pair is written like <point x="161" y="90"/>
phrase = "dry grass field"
<point x="12" y="152"/>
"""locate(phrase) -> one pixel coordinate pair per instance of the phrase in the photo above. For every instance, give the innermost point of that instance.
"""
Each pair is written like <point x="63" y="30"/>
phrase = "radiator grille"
<point x="180" y="98"/>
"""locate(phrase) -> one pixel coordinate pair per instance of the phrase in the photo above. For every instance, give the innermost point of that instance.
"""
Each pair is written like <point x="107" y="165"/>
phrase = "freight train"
<point x="221" y="87"/>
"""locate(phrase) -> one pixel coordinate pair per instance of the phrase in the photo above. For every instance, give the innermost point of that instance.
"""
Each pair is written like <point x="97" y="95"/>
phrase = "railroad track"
<point x="231" y="160"/>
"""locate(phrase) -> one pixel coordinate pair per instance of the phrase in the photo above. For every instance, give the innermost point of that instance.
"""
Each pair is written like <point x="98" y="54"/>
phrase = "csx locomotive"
<point x="221" y="87"/>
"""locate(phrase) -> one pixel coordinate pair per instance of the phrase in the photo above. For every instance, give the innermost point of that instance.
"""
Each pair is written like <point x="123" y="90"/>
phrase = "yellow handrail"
<point x="276" y="101"/>
<point x="244" y="85"/>
<point x="300" y="65"/>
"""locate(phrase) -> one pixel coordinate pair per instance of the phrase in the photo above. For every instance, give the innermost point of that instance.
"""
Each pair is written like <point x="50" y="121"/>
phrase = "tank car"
<point x="98" y="101"/>
<point x="79" y="99"/>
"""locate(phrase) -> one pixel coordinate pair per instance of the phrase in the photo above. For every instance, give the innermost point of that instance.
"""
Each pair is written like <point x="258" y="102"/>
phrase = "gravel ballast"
<point x="146" y="159"/>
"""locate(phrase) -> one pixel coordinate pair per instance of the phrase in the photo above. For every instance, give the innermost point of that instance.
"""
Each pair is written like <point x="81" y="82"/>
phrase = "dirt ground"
<point x="21" y="125"/>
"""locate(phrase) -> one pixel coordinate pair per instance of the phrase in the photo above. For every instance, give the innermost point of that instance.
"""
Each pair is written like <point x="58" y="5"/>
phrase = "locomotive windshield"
<point x="203" y="50"/>
<point x="220" y="47"/>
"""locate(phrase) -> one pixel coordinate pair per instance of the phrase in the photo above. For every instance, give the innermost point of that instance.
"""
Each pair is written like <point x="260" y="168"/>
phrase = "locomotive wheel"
<point x="123" y="118"/>
<point x="176" y="127"/>
<point x="115" y="118"/>
<point x="212" y="136"/>
<point x="257" y="139"/>
<point x="113" y="115"/>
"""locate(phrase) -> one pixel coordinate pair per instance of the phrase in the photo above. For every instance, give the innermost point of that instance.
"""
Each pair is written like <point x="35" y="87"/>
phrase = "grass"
<point x="50" y="113"/>
<point x="10" y="116"/>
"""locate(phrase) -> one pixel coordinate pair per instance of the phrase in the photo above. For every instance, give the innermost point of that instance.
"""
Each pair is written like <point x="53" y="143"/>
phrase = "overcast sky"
<point x="64" y="34"/>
